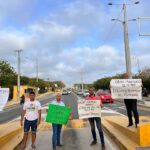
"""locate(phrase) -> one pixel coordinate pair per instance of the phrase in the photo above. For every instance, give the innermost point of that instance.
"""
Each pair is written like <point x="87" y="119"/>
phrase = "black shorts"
<point x="30" y="124"/>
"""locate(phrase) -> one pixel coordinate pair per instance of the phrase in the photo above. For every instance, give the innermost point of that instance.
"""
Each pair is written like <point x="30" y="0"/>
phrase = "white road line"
<point x="113" y="111"/>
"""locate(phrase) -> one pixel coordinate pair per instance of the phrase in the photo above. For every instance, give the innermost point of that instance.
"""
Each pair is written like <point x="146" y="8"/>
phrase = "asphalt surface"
<point x="12" y="113"/>
<point x="120" y="108"/>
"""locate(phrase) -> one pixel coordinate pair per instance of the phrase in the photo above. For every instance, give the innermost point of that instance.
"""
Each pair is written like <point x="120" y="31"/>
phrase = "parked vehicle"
<point x="69" y="91"/>
<point x="105" y="96"/>
<point x="79" y="92"/>
<point x="65" y="92"/>
<point x="86" y="93"/>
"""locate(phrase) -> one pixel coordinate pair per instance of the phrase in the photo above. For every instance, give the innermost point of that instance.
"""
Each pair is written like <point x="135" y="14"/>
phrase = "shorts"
<point x="30" y="124"/>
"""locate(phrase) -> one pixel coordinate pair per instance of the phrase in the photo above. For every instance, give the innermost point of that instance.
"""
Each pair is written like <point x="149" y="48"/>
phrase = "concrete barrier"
<point x="10" y="135"/>
<point x="128" y="138"/>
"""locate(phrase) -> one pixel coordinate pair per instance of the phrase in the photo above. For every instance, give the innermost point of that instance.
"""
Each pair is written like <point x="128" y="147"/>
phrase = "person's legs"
<point x="54" y="137"/>
<point x="135" y="112"/>
<point x="99" y="127"/>
<point x="59" y="127"/>
<point x="26" y="130"/>
<point x="91" y="121"/>
<point x="33" y="129"/>
<point x="128" y="104"/>
<point x="24" y="141"/>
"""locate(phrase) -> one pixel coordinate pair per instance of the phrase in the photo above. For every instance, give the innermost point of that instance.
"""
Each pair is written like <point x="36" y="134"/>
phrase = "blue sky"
<point x="68" y="36"/>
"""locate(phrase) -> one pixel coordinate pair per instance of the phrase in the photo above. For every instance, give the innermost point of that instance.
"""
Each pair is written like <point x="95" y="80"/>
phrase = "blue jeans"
<point x="56" y="134"/>
<point x="99" y="127"/>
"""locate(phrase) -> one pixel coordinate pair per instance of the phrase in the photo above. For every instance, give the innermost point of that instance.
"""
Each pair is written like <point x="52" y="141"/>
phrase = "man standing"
<point x="92" y="121"/>
<point x="57" y="127"/>
<point x="131" y="106"/>
<point x="31" y="114"/>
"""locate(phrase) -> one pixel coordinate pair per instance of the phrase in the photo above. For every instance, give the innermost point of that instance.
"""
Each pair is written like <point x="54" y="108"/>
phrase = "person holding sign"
<point x="57" y="127"/>
<point x="92" y="121"/>
<point x="131" y="106"/>
<point x="31" y="114"/>
<point x="128" y="90"/>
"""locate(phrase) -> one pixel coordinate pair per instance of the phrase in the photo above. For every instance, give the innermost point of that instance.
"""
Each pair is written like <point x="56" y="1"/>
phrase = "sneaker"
<point x="33" y="147"/>
<point x="60" y="145"/>
<point x="93" y="143"/>
<point x="103" y="146"/>
<point x="130" y="124"/>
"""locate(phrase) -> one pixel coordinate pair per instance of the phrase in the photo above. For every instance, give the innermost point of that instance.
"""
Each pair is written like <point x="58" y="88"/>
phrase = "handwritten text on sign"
<point x="58" y="114"/>
<point x="89" y="108"/>
<point x="4" y="94"/>
<point x="126" y="89"/>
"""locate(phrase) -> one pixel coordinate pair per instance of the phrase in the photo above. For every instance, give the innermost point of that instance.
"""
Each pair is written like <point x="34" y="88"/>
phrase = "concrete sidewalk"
<point x="72" y="139"/>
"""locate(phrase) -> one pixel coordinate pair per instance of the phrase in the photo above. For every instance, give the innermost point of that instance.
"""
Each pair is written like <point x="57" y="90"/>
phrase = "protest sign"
<point x="126" y="88"/>
<point x="58" y="114"/>
<point x="4" y="94"/>
<point x="89" y="108"/>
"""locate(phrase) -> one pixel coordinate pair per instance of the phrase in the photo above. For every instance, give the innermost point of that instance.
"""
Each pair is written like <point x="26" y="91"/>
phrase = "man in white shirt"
<point x="31" y="114"/>
<point x="57" y="127"/>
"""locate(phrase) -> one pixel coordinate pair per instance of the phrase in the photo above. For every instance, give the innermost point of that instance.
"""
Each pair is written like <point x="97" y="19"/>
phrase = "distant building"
<point x="24" y="90"/>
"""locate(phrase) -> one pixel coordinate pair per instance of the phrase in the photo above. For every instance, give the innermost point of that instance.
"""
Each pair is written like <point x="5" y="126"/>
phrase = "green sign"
<point x="58" y="114"/>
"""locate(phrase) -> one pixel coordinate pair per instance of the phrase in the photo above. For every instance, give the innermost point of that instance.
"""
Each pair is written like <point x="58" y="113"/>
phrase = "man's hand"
<point x="38" y="123"/>
<point x="21" y="122"/>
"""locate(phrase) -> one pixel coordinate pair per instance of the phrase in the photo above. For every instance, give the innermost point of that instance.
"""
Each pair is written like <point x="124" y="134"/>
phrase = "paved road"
<point x="12" y="113"/>
<point x="120" y="108"/>
<point x="72" y="139"/>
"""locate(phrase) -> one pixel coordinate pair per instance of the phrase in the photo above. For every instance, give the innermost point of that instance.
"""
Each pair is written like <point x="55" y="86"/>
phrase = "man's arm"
<point x="22" y="116"/>
<point x="39" y="119"/>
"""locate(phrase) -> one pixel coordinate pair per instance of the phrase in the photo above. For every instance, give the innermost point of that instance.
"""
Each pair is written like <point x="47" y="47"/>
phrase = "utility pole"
<point x="37" y="70"/>
<point x="81" y="74"/>
<point x="37" y="75"/>
<point x="126" y="44"/>
<point x="126" y="38"/>
<point x="18" y="79"/>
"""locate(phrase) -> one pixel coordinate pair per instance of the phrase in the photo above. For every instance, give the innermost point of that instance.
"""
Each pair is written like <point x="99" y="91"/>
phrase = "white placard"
<point x="4" y="94"/>
<point x="89" y="108"/>
<point x="126" y="89"/>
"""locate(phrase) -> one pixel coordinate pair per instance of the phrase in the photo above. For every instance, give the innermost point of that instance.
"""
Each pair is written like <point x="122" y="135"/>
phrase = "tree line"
<point x="8" y="78"/>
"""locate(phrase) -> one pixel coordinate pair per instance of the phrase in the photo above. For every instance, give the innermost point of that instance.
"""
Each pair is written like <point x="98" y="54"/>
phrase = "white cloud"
<point x="68" y="40"/>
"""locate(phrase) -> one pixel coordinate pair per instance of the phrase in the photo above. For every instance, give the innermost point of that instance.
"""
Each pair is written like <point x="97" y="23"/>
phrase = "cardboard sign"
<point x="89" y="108"/>
<point x="4" y="94"/>
<point x="126" y="89"/>
<point x="58" y="114"/>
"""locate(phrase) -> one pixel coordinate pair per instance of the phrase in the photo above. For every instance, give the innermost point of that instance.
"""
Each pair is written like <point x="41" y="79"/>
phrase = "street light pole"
<point x="126" y="38"/>
<point x="18" y="79"/>
<point x="126" y="44"/>
<point x="37" y="70"/>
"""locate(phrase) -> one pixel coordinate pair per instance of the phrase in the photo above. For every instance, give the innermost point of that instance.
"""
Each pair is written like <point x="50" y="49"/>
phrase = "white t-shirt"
<point x="32" y="108"/>
<point x="58" y="103"/>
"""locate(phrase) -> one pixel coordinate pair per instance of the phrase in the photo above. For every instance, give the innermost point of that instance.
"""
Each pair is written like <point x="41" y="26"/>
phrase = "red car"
<point x="104" y="96"/>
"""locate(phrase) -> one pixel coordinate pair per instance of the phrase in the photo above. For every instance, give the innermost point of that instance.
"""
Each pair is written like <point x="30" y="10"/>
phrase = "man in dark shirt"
<point x="131" y="106"/>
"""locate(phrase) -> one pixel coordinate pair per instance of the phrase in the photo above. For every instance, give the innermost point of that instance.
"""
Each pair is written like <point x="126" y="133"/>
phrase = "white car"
<point x="65" y="92"/>
<point x="86" y="93"/>
<point x="69" y="91"/>
<point x="79" y="92"/>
